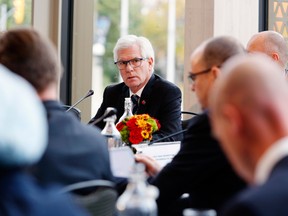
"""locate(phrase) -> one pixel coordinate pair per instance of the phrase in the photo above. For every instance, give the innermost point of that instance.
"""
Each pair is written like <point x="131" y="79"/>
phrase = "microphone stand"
<point x="89" y="93"/>
<point x="165" y="137"/>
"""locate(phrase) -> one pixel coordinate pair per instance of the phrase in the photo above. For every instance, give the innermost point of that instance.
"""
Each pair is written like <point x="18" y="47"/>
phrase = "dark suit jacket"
<point x="160" y="99"/>
<point x="269" y="199"/>
<point x="75" y="152"/>
<point x="21" y="196"/>
<point x="200" y="169"/>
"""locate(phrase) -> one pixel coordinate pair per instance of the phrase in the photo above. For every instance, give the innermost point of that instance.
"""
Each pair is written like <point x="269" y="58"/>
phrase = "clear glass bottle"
<point x="110" y="131"/>
<point x="139" y="197"/>
<point x="127" y="109"/>
<point x="199" y="212"/>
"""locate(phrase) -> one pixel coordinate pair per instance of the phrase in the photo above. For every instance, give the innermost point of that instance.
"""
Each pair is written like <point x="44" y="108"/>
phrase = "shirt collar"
<point x="137" y="93"/>
<point x="269" y="159"/>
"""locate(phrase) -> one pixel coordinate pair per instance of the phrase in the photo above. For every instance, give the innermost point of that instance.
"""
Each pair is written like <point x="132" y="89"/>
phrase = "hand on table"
<point x="152" y="166"/>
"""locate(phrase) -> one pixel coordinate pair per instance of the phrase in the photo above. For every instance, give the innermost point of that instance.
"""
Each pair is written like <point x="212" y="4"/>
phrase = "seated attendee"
<point x="23" y="139"/>
<point x="272" y="44"/>
<point x="75" y="152"/>
<point x="200" y="168"/>
<point x="134" y="58"/>
<point x="249" y="116"/>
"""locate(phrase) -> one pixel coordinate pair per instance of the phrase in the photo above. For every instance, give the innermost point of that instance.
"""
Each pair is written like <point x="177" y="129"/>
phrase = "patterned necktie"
<point x="135" y="100"/>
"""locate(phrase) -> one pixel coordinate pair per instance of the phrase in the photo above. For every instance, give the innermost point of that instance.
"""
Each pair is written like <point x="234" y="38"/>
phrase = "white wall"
<point x="208" y="18"/>
<point x="238" y="18"/>
<point x="82" y="55"/>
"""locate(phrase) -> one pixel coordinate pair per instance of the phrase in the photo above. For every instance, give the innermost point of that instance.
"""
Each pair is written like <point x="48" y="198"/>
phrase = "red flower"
<point x="131" y="124"/>
<point x="120" y="126"/>
<point x="135" y="136"/>
<point x="158" y="124"/>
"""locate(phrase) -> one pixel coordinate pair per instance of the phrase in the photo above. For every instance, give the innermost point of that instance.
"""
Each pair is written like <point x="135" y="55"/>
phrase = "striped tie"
<point x="135" y="99"/>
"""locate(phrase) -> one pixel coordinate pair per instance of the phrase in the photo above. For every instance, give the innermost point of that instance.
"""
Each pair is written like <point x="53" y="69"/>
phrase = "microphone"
<point x="165" y="137"/>
<point x="111" y="112"/>
<point x="89" y="93"/>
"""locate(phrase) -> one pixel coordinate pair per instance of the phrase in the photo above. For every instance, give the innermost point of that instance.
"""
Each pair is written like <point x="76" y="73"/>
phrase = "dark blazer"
<point x="265" y="200"/>
<point x="75" y="152"/>
<point x="22" y="196"/>
<point x="200" y="169"/>
<point x="160" y="99"/>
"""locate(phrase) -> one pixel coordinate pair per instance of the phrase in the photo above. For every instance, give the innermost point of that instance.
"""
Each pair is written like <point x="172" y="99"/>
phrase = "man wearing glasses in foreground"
<point x="134" y="58"/>
<point x="200" y="168"/>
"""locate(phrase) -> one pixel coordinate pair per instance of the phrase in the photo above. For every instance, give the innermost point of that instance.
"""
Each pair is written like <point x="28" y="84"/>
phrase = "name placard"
<point x="122" y="159"/>
<point x="162" y="152"/>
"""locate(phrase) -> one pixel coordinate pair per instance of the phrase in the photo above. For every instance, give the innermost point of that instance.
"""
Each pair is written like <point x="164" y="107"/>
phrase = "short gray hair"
<point x="127" y="41"/>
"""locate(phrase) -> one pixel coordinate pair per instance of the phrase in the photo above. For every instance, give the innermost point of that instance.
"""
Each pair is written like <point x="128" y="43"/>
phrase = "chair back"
<point x="185" y="121"/>
<point x="102" y="199"/>
<point x="73" y="110"/>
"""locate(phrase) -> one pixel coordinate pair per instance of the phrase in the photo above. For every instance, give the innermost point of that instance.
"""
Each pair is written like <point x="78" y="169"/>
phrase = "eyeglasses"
<point x="134" y="63"/>
<point x="193" y="76"/>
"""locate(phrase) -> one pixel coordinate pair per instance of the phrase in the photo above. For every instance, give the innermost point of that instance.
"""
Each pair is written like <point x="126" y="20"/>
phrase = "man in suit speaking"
<point x="249" y="116"/>
<point x="134" y="58"/>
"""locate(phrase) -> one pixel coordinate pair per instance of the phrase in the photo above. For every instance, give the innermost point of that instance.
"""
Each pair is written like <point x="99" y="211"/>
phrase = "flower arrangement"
<point x="137" y="128"/>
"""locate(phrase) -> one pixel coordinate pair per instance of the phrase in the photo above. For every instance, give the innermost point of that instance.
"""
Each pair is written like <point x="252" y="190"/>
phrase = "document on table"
<point x="122" y="161"/>
<point x="162" y="152"/>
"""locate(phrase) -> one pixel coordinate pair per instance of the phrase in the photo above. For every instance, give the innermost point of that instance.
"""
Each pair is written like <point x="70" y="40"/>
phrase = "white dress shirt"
<point x="269" y="159"/>
<point x="137" y="93"/>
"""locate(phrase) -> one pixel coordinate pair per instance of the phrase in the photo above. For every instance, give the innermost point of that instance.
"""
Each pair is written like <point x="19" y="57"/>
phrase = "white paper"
<point x="162" y="152"/>
<point x="122" y="161"/>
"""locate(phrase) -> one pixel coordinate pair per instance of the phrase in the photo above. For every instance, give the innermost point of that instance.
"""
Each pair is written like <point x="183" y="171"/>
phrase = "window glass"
<point x="161" y="21"/>
<point x="15" y="13"/>
<point x="277" y="20"/>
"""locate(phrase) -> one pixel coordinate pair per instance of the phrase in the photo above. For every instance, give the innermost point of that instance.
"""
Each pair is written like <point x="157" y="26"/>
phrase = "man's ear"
<point x="150" y="61"/>
<point x="275" y="56"/>
<point x="216" y="71"/>
<point x="233" y="116"/>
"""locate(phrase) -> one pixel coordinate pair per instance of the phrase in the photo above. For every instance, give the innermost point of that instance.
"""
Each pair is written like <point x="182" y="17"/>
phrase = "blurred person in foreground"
<point x="23" y="139"/>
<point x="200" y="168"/>
<point x="249" y="116"/>
<point x="134" y="58"/>
<point x="272" y="44"/>
<point x="75" y="152"/>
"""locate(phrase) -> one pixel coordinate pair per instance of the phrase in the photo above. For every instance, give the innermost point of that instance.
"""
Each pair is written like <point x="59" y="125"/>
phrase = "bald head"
<point x="249" y="80"/>
<point x="248" y="110"/>
<point x="272" y="44"/>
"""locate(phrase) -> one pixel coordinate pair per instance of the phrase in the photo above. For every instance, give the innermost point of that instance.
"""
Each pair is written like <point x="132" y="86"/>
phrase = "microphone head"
<point x="90" y="92"/>
<point x="110" y="111"/>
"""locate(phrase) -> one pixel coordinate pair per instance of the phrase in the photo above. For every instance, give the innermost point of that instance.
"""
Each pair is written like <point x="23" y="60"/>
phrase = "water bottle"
<point x="199" y="212"/>
<point x="127" y="109"/>
<point x="139" y="197"/>
<point x="110" y="131"/>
